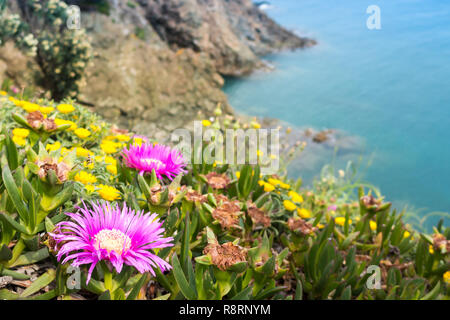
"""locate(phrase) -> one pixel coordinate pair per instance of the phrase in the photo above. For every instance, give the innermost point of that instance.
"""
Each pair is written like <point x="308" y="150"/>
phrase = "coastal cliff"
<point x="160" y="64"/>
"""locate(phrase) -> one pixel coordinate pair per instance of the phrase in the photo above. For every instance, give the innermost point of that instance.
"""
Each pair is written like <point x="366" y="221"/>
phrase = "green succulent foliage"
<point x="39" y="29"/>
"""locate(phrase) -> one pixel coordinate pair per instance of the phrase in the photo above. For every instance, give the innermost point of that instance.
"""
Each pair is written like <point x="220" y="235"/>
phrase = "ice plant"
<point x="146" y="157"/>
<point x="111" y="234"/>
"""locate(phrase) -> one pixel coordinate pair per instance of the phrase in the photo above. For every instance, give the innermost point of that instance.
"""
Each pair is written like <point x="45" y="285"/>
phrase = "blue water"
<point x="390" y="86"/>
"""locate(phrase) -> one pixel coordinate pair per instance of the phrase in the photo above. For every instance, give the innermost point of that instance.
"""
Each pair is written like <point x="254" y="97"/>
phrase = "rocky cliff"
<point x="158" y="64"/>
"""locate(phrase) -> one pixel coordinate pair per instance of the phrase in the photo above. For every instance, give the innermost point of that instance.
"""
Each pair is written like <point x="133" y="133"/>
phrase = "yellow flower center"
<point x="112" y="240"/>
<point x="149" y="161"/>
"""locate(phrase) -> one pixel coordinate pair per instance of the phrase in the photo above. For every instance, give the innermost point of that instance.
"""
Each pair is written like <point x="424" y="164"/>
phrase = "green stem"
<point x="107" y="277"/>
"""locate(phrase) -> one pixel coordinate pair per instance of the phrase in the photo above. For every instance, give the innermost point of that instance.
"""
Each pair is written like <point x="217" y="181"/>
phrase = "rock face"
<point x="158" y="64"/>
<point x="232" y="32"/>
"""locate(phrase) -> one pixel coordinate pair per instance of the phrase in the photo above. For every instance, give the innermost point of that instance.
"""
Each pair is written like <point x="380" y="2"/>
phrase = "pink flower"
<point x="332" y="208"/>
<point x="146" y="157"/>
<point x="108" y="233"/>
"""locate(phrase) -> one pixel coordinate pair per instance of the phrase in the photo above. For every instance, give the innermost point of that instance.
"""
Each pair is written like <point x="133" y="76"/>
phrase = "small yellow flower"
<point x="108" y="193"/>
<point x="267" y="186"/>
<point x="341" y="221"/>
<point x="94" y="127"/>
<point x="89" y="188"/>
<point x="85" y="177"/>
<point x="138" y="141"/>
<point x="82" y="152"/>
<point x="53" y="147"/>
<point x="206" y="123"/>
<point x="274" y="182"/>
<point x="19" y="141"/>
<point x="373" y="225"/>
<point x="285" y="186"/>
<point x="304" y="213"/>
<point x="46" y="110"/>
<point x="255" y="125"/>
<point x="295" y="196"/>
<point x="110" y="160"/>
<point x="20" y="132"/>
<point x="446" y="277"/>
<point x="112" y="168"/>
<point x="65" y="108"/>
<point x="60" y="122"/>
<point x="123" y="137"/>
<point x="82" y="133"/>
<point x="290" y="206"/>
<point x="30" y="107"/>
<point x="108" y="148"/>
<point x="320" y="226"/>
<point x="406" y="234"/>
<point x="259" y="153"/>
<point x="430" y="249"/>
<point x="89" y="165"/>
<point x="3" y="93"/>
<point x="238" y="174"/>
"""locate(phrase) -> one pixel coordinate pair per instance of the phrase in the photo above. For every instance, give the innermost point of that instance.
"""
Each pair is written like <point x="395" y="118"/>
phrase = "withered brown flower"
<point x="370" y="201"/>
<point x="258" y="216"/>
<point x="217" y="180"/>
<point x="61" y="169"/>
<point x="35" y="119"/>
<point x="300" y="225"/>
<point x="194" y="196"/>
<point x="227" y="214"/>
<point x="49" y="124"/>
<point x="440" y="242"/>
<point x="225" y="255"/>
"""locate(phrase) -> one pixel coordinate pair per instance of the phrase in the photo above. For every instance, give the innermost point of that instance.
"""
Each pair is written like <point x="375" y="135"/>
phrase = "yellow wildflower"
<point x="108" y="193"/>
<point x="108" y="148"/>
<point x="430" y="249"/>
<point x="138" y="141"/>
<point x="60" y="122"/>
<point x="94" y="127"/>
<point x="238" y="174"/>
<point x="85" y="177"/>
<point x="446" y="277"/>
<point x="89" y="165"/>
<point x="206" y="123"/>
<point x="65" y="108"/>
<point x="20" y="132"/>
<point x="19" y="141"/>
<point x="290" y="206"/>
<point x="295" y="196"/>
<point x="123" y="137"/>
<point x="112" y="168"/>
<point x="46" y="110"/>
<point x="89" y="188"/>
<point x="3" y="93"/>
<point x="82" y="133"/>
<point x="255" y="125"/>
<point x="30" y="107"/>
<point x="82" y="152"/>
<point x="341" y="221"/>
<point x="406" y="234"/>
<point x="267" y="186"/>
<point x="304" y="213"/>
<point x="373" y="225"/>
<point x="53" y="147"/>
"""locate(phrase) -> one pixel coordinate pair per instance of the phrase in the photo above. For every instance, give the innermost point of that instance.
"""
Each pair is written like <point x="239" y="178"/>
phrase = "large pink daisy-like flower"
<point x="111" y="234"/>
<point x="146" y="157"/>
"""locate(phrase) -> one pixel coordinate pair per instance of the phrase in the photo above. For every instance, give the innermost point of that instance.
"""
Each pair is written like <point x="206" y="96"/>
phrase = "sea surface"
<point x="388" y="87"/>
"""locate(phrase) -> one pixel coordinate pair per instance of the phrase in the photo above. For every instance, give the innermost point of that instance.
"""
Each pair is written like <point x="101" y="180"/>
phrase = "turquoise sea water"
<point x="391" y="87"/>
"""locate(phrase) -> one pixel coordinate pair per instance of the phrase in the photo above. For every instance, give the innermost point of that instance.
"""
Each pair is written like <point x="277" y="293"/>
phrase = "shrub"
<point x="40" y="30"/>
